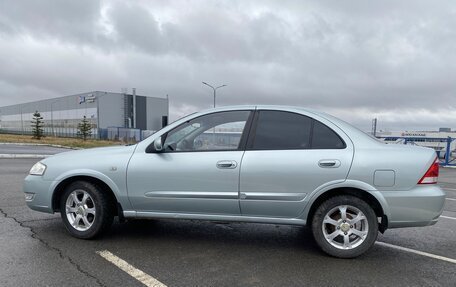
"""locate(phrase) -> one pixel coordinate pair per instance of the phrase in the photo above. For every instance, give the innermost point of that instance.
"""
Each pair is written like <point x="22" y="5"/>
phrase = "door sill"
<point x="213" y="217"/>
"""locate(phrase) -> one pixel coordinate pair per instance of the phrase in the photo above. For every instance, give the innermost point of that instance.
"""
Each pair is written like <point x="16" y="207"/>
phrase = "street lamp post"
<point x="215" y="93"/>
<point x="214" y="89"/>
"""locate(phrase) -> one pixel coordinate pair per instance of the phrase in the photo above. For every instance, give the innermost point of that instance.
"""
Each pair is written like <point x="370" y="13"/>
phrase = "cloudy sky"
<point x="395" y="60"/>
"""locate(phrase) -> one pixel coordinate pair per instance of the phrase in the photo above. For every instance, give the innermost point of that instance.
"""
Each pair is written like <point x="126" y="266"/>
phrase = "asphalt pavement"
<point x="38" y="251"/>
<point x="6" y="148"/>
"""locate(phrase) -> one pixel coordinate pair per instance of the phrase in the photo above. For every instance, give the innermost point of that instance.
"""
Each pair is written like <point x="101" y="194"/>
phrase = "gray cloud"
<point x="355" y="59"/>
<point x="65" y="20"/>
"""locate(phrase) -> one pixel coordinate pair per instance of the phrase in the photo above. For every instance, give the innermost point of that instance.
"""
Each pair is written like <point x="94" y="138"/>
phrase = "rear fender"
<point x="346" y="184"/>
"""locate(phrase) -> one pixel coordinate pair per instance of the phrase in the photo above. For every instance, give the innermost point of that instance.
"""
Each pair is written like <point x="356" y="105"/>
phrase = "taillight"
<point x="432" y="174"/>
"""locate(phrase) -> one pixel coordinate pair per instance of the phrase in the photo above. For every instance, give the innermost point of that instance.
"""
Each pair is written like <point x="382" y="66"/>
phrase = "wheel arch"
<point x="378" y="205"/>
<point x="107" y="188"/>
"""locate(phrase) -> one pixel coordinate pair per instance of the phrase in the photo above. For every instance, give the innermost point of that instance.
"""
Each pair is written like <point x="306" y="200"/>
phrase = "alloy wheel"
<point x="80" y="210"/>
<point x="345" y="227"/>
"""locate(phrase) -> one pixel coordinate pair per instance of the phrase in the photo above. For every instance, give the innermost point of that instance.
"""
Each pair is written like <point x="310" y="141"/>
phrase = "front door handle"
<point x="227" y="164"/>
<point x="329" y="163"/>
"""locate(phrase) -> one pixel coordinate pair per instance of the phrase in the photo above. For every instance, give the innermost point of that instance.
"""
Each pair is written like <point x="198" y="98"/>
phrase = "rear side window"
<point x="277" y="130"/>
<point x="282" y="130"/>
<point x="325" y="138"/>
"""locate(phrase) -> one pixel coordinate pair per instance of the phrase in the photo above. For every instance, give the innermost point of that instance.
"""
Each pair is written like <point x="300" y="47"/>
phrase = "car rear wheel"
<point x="345" y="226"/>
<point x="86" y="211"/>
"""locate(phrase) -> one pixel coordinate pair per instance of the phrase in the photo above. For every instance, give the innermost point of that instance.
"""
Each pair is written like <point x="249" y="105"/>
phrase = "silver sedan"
<point x="266" y="164"/>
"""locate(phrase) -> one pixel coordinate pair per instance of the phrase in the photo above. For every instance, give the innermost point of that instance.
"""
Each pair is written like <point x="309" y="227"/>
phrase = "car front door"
<point x="198" y="169"/>
<point x="288" y="156"/>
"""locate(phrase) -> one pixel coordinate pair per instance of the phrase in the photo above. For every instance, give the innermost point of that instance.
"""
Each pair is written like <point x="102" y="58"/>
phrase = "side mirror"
<point x="158" y="146"/>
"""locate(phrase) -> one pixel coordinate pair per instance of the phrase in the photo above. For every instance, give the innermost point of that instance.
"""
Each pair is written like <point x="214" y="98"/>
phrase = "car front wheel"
<point x="86" y="211"/>
<point x="345" y="226"/>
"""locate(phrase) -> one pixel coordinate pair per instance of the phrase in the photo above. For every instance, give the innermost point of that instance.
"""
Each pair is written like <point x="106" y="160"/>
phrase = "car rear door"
<point x="288" y="156"/>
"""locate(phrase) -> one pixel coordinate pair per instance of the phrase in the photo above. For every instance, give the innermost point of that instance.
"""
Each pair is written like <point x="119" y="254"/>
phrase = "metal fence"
<point x="448" y="154"/>
<point x="444" y="147"/>
<point x="123" y="134"/>
<point x="112" y="133"/>
<point x="61" y="132"/>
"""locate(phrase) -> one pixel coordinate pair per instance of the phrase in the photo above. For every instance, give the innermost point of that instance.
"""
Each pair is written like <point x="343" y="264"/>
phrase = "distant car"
<point x="266" y="164"/>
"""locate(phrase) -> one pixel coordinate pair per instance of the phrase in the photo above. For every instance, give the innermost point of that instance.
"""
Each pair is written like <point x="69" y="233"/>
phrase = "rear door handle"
<point x="329" y="163"/>
<point x="227" y="164"/>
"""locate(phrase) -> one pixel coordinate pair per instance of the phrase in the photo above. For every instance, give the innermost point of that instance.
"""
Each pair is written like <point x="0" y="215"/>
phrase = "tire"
<point x="349" y="238"/>
<point x="90" y="213"/>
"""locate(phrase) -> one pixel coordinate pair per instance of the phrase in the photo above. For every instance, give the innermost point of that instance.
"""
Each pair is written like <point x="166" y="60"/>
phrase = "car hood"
<point x="98" y="151"/>
<point x="95" y="159"/>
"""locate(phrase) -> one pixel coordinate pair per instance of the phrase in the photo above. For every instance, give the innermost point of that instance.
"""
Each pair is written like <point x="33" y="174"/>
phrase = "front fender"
<point x="119" y="190"/>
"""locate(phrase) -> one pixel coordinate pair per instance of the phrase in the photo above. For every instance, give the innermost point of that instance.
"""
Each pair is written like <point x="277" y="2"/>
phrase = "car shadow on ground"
<point x="189" y="231"/>
<point x="259" y="235"/>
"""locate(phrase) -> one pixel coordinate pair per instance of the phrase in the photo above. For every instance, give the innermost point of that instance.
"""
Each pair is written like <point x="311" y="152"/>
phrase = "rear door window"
<point x="281" y="130"/>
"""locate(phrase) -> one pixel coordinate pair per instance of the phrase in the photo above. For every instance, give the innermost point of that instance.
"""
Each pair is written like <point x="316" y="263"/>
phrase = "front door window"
<point x="213" y="132"/>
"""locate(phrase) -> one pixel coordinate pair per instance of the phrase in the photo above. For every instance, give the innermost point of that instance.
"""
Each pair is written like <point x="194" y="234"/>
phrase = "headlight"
<point x="38" y="169"/>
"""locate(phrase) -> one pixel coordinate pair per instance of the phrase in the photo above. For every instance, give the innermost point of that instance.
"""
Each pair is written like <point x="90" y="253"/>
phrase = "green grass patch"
<point x="68" y="142"/>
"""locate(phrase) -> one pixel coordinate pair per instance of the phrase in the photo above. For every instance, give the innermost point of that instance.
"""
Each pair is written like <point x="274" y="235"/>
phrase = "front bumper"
<point x="41" y="191"/>
<point x="420" y="206"/>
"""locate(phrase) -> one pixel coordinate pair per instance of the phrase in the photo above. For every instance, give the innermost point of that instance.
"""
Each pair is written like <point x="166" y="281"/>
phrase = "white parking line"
<point x="139" y="275"/>
<point x="448" y="217"/>
<point x="451" y="260"/>
<point x="448" y="198"/>
<point x="449" y="188"/>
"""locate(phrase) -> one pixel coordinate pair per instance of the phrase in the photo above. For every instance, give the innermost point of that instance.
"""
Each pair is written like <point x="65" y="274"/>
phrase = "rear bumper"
<point x="420" y="206"/>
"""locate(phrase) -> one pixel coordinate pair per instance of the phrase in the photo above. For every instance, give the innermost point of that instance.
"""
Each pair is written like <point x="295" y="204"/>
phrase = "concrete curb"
<point x="37" y="144"/>
<point x="14" y="156"/>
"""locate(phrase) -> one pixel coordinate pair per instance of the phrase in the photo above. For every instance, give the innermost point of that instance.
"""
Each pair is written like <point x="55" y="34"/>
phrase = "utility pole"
<point x="374" y="127"/>
<point x="134" y="107"/>
<point x="22" y="122"/>
<point x="52" y="119"/>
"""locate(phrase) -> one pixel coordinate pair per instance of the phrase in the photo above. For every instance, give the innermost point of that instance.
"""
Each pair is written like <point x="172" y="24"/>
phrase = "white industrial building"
<point x="106" y="111"/>
<point x="437" y="140"/>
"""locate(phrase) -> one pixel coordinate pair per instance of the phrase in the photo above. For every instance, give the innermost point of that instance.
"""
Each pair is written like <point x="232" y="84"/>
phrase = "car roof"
<point x="258" y="107"/>
<point x="353" y="132"/>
